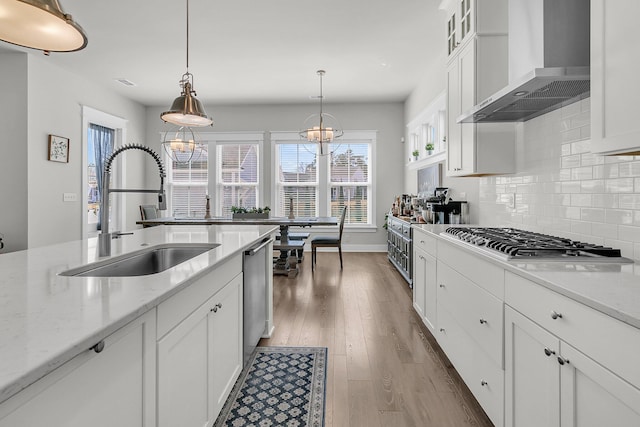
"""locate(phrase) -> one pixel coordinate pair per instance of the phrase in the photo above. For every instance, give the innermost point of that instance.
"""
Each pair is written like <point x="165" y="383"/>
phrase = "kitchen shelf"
<point x="427" y="161"/>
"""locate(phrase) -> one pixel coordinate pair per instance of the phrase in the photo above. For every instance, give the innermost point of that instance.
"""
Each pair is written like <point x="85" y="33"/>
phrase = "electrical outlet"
<point x="511" y="200"/>
<point x="69" y="197"/>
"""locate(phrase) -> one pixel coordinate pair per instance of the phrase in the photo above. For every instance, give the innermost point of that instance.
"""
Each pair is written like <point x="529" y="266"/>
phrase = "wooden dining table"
<point x="282" y="266"/>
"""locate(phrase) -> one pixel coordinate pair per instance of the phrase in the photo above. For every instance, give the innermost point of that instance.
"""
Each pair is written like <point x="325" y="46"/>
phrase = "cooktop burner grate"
<point x="520" y="243"/>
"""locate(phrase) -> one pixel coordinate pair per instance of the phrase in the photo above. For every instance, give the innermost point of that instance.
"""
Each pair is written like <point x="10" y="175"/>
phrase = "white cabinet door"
<point x="183" y="362"/>
<point x="419" y="281"/>
<point x="225" y="343"/>
<point x="615" y="60"/>
<point x="592" y="396"/>
<point x="467" y="66"/>
<point x="200" y="359"/>
<point x="114" y="387"/>
<point x="454" y="145"/>
<point x="532" y="373"/>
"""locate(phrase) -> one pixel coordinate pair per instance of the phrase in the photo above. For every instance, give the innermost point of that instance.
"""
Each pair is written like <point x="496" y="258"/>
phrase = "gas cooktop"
<point x="512" y="244"/>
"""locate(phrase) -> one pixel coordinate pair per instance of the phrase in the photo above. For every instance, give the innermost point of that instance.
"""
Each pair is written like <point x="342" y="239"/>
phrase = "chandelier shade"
<point x="181" y="145"/>
<point x="40" y="24"/>
<point x="321" y="128"/>
<point x="186" y="109"/>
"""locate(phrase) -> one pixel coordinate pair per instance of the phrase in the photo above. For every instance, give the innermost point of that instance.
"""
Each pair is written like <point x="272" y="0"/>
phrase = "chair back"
<point x="148" y="212"/>
<point x="344" y="214"/>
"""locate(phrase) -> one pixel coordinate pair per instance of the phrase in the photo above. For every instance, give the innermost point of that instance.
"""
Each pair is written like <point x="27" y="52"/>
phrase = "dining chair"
<point x="328" y="242"/>
<point x="148" y="212"/>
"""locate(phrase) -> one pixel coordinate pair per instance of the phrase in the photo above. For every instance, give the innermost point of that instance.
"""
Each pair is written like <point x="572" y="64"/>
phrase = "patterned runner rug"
<point x="280" y="386"/>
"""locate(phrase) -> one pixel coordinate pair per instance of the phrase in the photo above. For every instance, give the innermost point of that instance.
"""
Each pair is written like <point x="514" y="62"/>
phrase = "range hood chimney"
<point x="548" y="61"/>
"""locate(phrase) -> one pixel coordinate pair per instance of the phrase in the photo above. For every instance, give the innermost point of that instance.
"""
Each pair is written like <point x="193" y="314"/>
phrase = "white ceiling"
<point x="257" y="51"/>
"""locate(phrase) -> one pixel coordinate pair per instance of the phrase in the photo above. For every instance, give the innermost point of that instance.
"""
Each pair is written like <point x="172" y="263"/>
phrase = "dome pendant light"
<point x="40" y="24"/>
<point x="321" y="128"/>
<point x="186" y="110"/>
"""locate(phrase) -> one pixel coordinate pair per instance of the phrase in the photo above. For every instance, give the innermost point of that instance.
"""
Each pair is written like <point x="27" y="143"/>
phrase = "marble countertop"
<point x="613" y="289"/>
<point x="47" y="319"/>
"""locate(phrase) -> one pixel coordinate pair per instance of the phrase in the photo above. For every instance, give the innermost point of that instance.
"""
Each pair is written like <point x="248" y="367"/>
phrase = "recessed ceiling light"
<point x="521" y="93"/>
<point x="125" y="82"/>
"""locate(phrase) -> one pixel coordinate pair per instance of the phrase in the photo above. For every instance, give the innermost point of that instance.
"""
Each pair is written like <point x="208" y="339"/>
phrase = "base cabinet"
<point x="113" y="387"/>
<point x="200" y="359"/>
<point x="566" y="364"/>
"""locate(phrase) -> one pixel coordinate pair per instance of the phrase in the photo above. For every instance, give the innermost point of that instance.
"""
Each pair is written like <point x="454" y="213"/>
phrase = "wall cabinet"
<point x="112" y="387"/>
<point x="200" y="359"/>
<point x="550" y="379"/>
<point x="474" y="73"/>
<point x="615" y="128"/>
<point x="477" y="67"/>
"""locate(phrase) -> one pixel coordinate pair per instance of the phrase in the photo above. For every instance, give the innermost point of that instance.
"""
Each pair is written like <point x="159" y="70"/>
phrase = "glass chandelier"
<point x="322" y="128"/>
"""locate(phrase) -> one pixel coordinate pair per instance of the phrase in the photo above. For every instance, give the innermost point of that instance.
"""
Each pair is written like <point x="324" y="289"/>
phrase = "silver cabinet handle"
<point x="441" y="285"/>
<point x="421" y="257"/>
<point x="422" y="241"/>
<point x="216" y="307"/>
<point x="548" y="351"/>
<point x="98" y="347"/>
<point x="442" y="330"/>
<point x="562" y="360"/>
<point x="555" y="315"/>
<point x="483" y="383"/>
<point x="483" y="321"/>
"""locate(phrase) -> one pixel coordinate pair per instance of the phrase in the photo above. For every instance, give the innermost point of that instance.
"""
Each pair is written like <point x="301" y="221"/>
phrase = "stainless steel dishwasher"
<point x="255" y="295"/>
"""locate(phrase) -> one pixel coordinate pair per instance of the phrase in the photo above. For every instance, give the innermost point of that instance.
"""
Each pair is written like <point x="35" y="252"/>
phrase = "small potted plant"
<point x="415" y="154"/>
<point x="429" y="148"/>
<point x="251" y="213"/>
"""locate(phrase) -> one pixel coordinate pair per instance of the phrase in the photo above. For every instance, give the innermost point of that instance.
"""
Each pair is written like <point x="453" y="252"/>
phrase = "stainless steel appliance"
<point x="442" y="210"/>
<point x="254" y="295"/>
<point x="512" y="244"/>
<point x="400" y="247"/>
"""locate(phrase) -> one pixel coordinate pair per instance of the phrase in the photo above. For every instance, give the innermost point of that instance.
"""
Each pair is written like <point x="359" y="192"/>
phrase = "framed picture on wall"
<point x="58" y="149"/>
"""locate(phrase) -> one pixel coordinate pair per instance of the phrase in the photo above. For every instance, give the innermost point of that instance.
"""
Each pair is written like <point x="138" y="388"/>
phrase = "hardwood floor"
<point x="385" y="368"/>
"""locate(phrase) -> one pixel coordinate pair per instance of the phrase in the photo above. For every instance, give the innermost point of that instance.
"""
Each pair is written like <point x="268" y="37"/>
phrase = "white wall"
<point x="52" y="99"/>
<point x="385" y="118"/>
<point x="13" y="146"/>
<point x="563" y="189"/>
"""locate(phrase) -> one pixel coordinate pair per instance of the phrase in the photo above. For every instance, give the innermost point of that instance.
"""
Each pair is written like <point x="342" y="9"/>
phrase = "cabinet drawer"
<point x="483" y="273"/>
<point x="179" y="306"/>
<point x="484" y="378"/>
<point x="424" y="241"/>
<point x="478" y="312"/>
<point x="608" y="341"/>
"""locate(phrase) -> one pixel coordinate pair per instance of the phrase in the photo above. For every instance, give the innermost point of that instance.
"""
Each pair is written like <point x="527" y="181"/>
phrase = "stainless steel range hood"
<point x="549" y="58"/>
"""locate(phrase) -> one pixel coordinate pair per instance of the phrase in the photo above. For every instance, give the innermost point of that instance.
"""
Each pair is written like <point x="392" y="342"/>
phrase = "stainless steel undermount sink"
<point x="152" y="260"/>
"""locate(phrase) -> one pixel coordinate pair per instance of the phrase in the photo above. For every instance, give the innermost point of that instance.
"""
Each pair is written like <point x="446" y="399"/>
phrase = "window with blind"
<point x="324" y="185"/>
<point x="349" y="183"/>
<point x="188" y="184"/>
<point x="228" y="171"/>
<point x="238" y="176"/>
<point x="296" y="179"/>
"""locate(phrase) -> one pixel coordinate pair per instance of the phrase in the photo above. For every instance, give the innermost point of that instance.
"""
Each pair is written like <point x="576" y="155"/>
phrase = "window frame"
<point x="324" y="183"/>
<point x="212" y="140"/>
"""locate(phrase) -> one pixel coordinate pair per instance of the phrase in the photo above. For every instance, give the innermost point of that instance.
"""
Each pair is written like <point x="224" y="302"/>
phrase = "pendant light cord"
<point x="187" y="36"/>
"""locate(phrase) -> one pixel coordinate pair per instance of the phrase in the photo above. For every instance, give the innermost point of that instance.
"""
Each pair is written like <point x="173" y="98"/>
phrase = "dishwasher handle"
<point x="254" y="250"/>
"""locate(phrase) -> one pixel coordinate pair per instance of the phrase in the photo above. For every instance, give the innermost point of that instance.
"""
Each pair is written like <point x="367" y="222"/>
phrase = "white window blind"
<point x="238" y="176"/>
<point x="350" y="184"/>
<point x="296" y="179"/>
<point x="188" y="184"/>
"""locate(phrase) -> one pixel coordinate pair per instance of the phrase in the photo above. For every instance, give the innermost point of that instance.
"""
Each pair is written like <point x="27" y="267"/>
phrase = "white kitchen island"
<point x="52" y="327"/>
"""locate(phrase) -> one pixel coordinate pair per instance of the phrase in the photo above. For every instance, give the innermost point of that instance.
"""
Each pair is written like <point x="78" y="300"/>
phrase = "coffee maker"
<point x="442" y="210"/>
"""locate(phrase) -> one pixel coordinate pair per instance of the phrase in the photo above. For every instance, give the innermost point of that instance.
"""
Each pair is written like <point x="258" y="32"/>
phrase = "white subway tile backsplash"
<point x="619" y="185"/>
<point x="618" y="216"/>
<point x="563" y="188"/>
